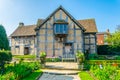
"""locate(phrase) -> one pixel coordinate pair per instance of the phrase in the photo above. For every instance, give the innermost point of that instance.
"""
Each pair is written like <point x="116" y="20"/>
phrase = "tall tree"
<point x="115" y="41"/>
<point x="4" y="43"/>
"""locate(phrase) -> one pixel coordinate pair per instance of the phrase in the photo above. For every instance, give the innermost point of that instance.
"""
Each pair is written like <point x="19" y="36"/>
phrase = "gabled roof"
<point x="27" y="30"/>
<point x="67" y="13"/>
<point x="89" y="25"/>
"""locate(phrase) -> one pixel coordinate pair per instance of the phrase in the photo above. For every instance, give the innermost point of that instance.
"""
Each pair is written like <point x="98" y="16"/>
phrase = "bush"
<point x="42" y="54"/>
<point x="33" y="76"/>
<point x="53" y="59"/>
<point x="80" y="57"/>
<point x="87" y="66"/>
<point x="117" y="57"/>
<point x="8" y="76"/>
<point x="42" y="57"/>
<point x="101" y="57"/>
<point x="5" y="56"/>
<point x="93" y="56"/>
<point x="19" y="71"/>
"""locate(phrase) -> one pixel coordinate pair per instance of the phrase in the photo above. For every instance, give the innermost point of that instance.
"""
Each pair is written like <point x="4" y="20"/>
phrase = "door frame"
<point x="72" y="46"/>
<point x="26" y="49"/>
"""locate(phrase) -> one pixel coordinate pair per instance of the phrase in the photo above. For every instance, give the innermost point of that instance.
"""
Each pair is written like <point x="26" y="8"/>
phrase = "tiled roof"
<point x="28" y="30"/>
<point x="89" y="25"/>
<point x="102" y="33"/>
<point x="24" y="31"/>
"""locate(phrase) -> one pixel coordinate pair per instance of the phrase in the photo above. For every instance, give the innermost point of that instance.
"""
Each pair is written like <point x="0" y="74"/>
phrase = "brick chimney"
<point x="21" y="24"/>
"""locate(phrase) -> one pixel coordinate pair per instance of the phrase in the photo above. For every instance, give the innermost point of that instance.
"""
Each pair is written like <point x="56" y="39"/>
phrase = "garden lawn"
<point x="85" y="75"/>
<point x="34" y="75"/>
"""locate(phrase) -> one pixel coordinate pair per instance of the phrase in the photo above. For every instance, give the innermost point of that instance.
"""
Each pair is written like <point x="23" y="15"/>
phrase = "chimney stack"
<point x="108" y="31"/>
<point x="21" y="24"/>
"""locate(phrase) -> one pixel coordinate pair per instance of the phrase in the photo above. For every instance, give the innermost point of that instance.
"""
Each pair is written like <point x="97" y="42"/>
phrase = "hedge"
<point x="108" y="50"/>
<point x="102" y="61"/>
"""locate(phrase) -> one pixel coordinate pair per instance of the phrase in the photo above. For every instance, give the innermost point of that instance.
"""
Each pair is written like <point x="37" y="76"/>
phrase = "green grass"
<point x="24" y="56"/>
<point x="33" y="75"/>
<point x="85" y="75"/>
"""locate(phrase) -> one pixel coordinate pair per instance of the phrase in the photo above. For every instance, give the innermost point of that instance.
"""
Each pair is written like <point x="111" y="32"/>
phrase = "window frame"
<point x="62" y="28"/>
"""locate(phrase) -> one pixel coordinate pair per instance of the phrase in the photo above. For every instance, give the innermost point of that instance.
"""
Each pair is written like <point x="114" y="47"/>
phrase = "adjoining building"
<point x="59" y="35"/>
<point x="102" y="36"/>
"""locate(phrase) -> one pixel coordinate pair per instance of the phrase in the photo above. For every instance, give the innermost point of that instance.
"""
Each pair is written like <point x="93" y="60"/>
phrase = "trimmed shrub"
<point x="106" y="61"/>
<point x="43" y="57"/>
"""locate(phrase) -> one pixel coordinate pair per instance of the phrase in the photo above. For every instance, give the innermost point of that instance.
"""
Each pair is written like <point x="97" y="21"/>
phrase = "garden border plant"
<point x="80" y="59"/>
<point x="43" y="58"/>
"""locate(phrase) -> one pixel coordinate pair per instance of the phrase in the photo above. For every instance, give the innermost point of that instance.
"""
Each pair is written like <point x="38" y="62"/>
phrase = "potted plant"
<point x="43" y="58"/>
<point x="80" y="59"/>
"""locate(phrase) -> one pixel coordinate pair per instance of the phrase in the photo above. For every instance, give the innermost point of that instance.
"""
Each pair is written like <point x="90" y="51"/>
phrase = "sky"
<point x="105" y="12"/>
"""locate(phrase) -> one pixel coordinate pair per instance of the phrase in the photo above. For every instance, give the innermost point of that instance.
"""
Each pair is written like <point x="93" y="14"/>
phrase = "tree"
<point x="4" y="43"/>
<point x="115" y="38"/>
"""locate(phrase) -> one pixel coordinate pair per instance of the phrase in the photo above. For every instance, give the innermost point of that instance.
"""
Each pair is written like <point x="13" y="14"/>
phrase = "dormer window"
<point x="60" y="27"/>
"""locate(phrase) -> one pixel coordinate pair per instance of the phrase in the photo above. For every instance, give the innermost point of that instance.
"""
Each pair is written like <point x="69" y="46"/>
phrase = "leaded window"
<point x="61" y="28"/>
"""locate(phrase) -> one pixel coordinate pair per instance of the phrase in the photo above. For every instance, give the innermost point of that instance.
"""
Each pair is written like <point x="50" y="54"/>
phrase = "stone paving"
<point x="62" y="65"/>
<point x="60" y="71"/>
<point x="47" y="76"/>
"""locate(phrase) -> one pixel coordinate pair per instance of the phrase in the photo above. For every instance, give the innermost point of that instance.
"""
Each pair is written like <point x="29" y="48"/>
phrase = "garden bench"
<point x="74" y="59"/>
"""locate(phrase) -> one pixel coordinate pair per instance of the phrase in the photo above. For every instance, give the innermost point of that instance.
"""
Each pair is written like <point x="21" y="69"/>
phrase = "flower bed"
<point x="105" y="72"/>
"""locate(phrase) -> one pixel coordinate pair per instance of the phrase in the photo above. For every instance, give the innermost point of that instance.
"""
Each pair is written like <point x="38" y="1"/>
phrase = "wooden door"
<point x="26" y="50"/>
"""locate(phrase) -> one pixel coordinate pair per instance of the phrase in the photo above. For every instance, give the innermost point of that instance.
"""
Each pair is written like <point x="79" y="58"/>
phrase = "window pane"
<point x="86" y="41"/>
<point x="65" y="28"/>
<point x="61" y="28"/>
<point x="57" y="28"/>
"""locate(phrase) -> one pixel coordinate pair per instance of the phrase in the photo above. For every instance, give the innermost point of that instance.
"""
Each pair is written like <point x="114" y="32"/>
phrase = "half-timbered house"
<point x="60" y="35"/>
